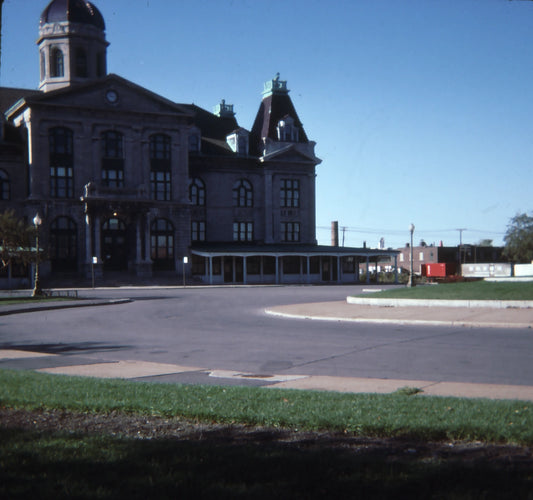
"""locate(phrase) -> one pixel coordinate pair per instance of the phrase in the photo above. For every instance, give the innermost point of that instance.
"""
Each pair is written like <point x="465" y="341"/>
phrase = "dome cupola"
<point x="72" y="44"/>
<point x="73" y="11"/>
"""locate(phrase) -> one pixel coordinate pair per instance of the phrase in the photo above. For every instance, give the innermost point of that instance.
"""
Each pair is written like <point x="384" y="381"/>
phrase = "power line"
<point x="356" y="229"/>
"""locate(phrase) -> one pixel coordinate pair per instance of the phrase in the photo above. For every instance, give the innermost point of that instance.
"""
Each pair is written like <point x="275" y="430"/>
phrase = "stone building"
<point x="129" y="182"/>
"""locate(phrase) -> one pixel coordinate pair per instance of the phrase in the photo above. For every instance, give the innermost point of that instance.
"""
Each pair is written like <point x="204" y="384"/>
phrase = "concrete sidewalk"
<point x="169" y="373"/>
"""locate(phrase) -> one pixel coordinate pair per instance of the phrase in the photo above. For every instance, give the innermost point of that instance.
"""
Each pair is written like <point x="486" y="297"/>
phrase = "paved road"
<point x="226" y="329"/>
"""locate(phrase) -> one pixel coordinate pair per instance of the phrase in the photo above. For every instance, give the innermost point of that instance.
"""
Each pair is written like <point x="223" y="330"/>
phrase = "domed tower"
<point x="72" y="44"/>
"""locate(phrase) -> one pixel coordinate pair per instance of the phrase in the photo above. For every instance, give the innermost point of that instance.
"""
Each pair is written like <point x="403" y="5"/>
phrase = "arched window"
<point x="61" y="158"/>
<point x="112" y="159"/>
<point x="197" y="192"/>
<point x="64" y="244"/>
<point x="5" y="186"/>
<point x="160" y="171"/>
<point x="81" y="63"/>
<point x="162" y="244"/>
<point x="243" y="195"/>
<point x="57" y="65"/>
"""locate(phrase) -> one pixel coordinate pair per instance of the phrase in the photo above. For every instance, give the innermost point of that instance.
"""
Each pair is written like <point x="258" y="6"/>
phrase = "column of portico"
<point x="92" y="246"/>
<point x="88" y="242"/>
<point x="143" y="262"/>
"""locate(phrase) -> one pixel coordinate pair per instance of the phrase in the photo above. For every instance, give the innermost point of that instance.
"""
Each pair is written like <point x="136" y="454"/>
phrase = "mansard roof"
<point x="275" y="106"/>
<point x="211" y="125"/>
<point x="214" y="130"/>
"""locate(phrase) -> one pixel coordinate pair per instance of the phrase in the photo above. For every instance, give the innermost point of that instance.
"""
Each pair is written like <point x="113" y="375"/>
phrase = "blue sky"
<point x="421" y="109"/>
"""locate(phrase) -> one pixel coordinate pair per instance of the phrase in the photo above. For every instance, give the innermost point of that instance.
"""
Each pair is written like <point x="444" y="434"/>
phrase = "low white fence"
<point x="523" y="269"/>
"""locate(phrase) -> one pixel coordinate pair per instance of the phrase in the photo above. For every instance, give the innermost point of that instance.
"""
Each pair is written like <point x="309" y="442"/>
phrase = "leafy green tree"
<point x="519" y="238"/>
<point x="16" y="239"/>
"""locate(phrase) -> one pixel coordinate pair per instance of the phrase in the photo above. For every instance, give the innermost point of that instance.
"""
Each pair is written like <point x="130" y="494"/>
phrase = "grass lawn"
<point x="311" y="444"/>
<point x="473" y="290"/>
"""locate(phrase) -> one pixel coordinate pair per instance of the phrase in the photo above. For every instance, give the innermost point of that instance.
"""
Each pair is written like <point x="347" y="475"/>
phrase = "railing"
<point x="94" y="191"/>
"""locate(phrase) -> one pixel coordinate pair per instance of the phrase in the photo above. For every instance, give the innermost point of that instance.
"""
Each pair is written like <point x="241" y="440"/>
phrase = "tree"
<point x="519" y="238"/>
<point x="16" y="240"/>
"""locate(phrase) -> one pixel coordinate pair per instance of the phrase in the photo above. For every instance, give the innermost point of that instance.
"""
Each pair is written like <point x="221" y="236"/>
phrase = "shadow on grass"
<point x="227" y="463"/>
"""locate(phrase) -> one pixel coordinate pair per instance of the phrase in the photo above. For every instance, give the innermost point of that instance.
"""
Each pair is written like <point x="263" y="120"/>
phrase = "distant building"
<point x="128" y="182"/>
<point x="429" y="254"/>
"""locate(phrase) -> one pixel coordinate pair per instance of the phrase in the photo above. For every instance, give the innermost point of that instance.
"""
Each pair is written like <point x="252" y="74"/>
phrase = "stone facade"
<point x="126" y="180"/>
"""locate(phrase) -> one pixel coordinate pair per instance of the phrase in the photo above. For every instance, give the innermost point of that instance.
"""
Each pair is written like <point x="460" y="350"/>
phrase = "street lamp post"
<point x="411" y="281"/>
<point x="37" y="221"/>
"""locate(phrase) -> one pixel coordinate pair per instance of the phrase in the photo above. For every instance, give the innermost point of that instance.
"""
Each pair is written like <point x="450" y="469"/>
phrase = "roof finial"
<point x="275" y="86"/>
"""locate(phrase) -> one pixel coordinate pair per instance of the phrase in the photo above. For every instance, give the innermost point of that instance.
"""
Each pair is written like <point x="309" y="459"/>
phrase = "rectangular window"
<point x="291" y="265"/>
<point x="290" y="232"/>
<point x="113" y="174"/>
<point x="290" y="193"/>
<point x="217" y="265"/>
<point x="348" y="265"/>
<point x="269" y="265"/>
<point x="198" y="265"/>
<point x="61" y="157"/>
<point x="243" y="231"/>
<point x="160" y="185"/>
<point x="253" y="265"/>
<point x="61" y="182"/>
<point x="198" y="230"/>
<point x="160" y="168"/>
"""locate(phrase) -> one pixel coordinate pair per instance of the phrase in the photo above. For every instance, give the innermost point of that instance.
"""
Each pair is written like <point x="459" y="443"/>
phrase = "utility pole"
<point x="343" y="231"/>
<point x="460" y="242"/>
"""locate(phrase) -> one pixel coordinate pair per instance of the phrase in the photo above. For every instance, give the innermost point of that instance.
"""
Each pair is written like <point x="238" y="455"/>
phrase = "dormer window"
<point x="287" y="131"/>
<point x="238" y="141"/>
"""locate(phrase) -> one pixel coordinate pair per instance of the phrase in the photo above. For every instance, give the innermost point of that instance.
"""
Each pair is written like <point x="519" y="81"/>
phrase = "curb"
<point x="492" y="304"/>
<point x="58" y="305"/>
<point x="415" y="322"/>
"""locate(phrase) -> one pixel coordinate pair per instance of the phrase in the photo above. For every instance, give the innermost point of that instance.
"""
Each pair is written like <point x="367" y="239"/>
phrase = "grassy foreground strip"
<point x="395" y="415"/>
<point x="475" y="290"/>
<point x="89" y="438"/>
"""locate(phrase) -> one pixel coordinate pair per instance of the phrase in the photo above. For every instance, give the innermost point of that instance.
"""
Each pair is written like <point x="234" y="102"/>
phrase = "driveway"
<point x="225" y="331"/>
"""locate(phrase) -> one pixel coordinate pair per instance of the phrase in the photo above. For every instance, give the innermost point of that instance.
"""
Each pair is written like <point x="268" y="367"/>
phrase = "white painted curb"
<point x="494" y="304"/>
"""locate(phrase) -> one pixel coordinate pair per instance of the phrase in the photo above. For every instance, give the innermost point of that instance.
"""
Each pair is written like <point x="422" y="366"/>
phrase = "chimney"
<point x="335" y="233"/>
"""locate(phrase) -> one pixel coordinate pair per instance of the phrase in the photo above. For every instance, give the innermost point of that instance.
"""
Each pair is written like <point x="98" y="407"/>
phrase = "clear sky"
<point x="421" y="109"/>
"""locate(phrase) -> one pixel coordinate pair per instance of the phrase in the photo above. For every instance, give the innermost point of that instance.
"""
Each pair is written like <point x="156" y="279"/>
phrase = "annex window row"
<point x="243" y="193"/>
